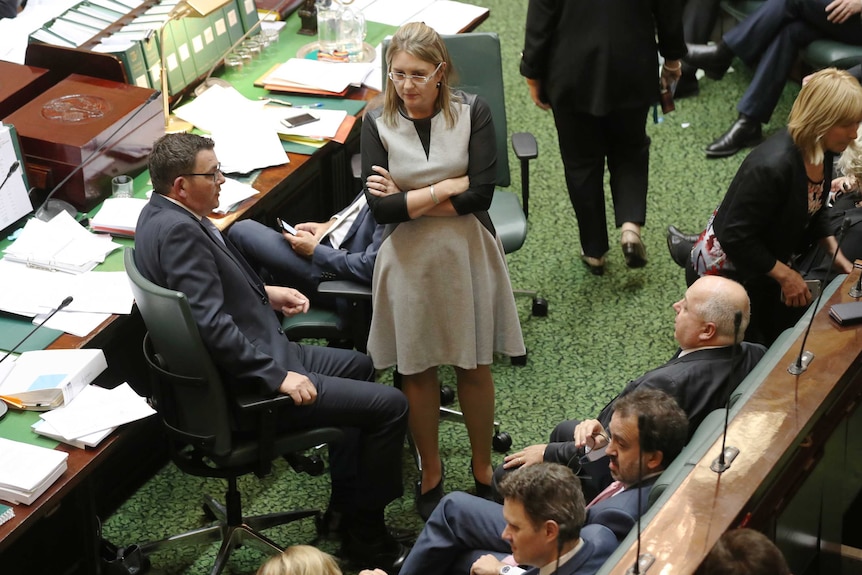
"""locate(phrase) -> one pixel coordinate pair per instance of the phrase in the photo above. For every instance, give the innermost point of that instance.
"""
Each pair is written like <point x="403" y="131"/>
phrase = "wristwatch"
<point x="505" y="569"/>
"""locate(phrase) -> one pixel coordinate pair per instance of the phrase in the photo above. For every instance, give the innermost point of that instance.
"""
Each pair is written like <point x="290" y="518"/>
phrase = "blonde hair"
<point x="424" y="43"/>
<point x="830" y="98"/>
<point x="300" y="560"/>
<point x="850" y="162"/>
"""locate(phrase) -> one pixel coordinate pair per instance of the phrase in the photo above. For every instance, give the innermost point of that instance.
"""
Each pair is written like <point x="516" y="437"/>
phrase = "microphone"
<point x="12" y="169"/>
<point x="728" y="454"/>
<point x="208" y="81"/>
<point x="801" y="364"/>
<point x="62" y="305"/>
<point x="645" y="561"/>
<point x="51" y="207"/>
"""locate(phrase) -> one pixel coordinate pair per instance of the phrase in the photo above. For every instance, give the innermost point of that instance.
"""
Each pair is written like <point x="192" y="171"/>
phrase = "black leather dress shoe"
<point x="744" y="133"/>
<point x="713" y="59"/>
<point x="687" y="87"/>
<point x="679" y="245"/>
<point x="377" y="553"/>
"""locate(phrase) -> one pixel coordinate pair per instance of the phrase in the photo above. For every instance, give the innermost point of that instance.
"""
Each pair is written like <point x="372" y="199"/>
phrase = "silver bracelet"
<point x="434" y="196"/>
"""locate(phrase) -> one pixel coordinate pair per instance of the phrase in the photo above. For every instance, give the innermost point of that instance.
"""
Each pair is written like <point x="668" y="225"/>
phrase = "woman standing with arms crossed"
<point x="441" y="290"/>
<point x="594" y="64"/>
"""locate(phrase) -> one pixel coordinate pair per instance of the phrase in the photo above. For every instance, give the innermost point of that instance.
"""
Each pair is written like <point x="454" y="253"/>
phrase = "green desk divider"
<point x="16" y="426"/>
<point x="14" y="328"/>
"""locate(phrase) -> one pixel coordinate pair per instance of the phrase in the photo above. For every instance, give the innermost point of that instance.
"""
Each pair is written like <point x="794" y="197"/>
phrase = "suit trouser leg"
<point x="770" y="75"/>
<point x="628" y="164"/>
<point x="698" y="20"/>
<point x="583" y="148"/>
<point x="751" y="37"/>
<point x="366" y="467"/>
<point x="461" y="524"/>
<point x="266" y="249"/>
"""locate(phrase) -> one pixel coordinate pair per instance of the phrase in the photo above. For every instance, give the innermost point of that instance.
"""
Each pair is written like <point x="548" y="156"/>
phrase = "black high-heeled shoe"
<point x="483" y="490"/>
<point x="427" y="502"/>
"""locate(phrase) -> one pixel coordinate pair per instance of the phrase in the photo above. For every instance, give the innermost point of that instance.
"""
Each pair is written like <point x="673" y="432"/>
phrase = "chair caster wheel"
<point x="520" y="360"/>
<point x="447" y="395"/>
<point x="502" y="442"/>
<point x="540" y="307"/>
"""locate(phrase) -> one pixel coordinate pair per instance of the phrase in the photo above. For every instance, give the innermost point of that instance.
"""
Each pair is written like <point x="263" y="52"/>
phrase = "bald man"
<point x="699" y="377"/>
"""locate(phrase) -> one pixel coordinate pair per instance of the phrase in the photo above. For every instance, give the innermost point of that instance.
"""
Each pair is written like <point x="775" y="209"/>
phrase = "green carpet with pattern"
<point x="600" y="331"/>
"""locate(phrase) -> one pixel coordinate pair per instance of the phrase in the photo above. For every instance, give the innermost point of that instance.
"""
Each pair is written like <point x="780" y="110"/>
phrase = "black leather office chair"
<point x="200" y="418"/>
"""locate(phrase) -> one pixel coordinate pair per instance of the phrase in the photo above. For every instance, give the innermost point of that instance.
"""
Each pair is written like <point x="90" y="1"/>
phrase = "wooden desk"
<point x="783" y="432"/>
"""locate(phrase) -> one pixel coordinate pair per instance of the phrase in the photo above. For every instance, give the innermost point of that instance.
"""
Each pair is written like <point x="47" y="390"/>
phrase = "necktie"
<point x="213" y="230"/>
<point x="608" y="492"/>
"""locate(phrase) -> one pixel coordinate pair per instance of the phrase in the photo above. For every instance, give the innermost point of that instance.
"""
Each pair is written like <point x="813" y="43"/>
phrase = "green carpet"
<point x="600" y="331"/>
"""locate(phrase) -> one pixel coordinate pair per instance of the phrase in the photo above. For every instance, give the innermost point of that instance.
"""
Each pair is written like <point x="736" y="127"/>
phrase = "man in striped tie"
<point x="463" y="529"/>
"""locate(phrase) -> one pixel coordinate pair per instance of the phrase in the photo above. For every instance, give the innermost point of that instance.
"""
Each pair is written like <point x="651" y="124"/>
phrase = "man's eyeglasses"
<point x="214" y="175"/>
<point x="401" y="77"/>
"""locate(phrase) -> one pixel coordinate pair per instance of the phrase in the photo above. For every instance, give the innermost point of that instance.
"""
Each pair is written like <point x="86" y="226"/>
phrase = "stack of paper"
<point x="26" y="471"/>
<point x="61" y="244"/>
<point x="232" y="194"/>
<point x="316" y="76"/>
<point x="93" y="415"/>
<point x="45" y="379"/>
<point x="118" y="216"/>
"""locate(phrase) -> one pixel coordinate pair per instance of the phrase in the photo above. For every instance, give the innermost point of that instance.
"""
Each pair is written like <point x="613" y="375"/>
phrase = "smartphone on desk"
<point x="286" y="227"/>
<point x="300" y="120"/>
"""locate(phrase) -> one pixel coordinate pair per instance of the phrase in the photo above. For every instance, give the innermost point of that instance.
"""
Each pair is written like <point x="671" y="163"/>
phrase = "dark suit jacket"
<point x="228" y="301"/>
<point x="620" y="512"/>
<point x="599" y="543"/>
<point x="700" y="381"/>
<point x="601" y="55"/>
<point x="764" y="214"/>
<point x="355" y="258"/>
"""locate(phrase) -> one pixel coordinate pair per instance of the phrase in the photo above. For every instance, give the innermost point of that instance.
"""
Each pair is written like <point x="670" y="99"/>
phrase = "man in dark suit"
<point x="464" y="527"/>
<point x="699" y="376"/>
<point x="543" y="508"/>
<point x="179" y="248"/>
<point x="769" y="41"/>
<point x="343" y="248"/>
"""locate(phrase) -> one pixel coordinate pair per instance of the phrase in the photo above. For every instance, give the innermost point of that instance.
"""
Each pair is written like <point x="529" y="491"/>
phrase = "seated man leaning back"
<point x="179" y="248"/>
<point x="463" y="528"/>
<point x="699" y="376"/>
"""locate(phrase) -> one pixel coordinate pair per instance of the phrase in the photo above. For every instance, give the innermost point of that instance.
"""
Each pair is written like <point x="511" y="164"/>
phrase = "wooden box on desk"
<point x="61" y="128"/>
<point x="20" y="85"/>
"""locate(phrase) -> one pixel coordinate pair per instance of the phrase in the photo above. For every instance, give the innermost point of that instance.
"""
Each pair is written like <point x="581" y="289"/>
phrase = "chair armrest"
<point x="264" y="410"/>
<point x="345" y="288"/>
<point x="525" y="146"/>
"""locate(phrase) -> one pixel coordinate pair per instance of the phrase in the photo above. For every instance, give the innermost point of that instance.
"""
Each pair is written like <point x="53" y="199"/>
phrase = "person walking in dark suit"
<point x="463" y="528"/>
<point x="595" y="66"/>
<point x="700" y="377"/>
<point x="343" y="248"/>
<point x="769" y="41"/>
<point x="179" y="248"/>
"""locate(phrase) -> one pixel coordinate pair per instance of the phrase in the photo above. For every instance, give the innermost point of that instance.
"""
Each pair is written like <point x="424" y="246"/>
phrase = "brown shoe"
<point x="633" y="249"/>
<point x="595" y="265"/>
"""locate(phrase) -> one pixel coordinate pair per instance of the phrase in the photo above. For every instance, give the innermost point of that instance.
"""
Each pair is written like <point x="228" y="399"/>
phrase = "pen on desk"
<point x="275" y="101"/>
<point x="314" y="105"/>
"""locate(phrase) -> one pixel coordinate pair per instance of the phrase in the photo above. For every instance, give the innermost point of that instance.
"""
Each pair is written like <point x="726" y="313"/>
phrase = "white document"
<point x="332" y="77"/>
<point x="25" y="469"/>
<point x="448" y="17"/>
<point x="326" y="126"/>
<point x="14" y="201"/>
<point x="394" y="12"/>
<point x="118" y="216"/>
<point x="61" y="244"/>
<point x="77" y="323"/>
<point x="232" y="193"/>
<point x="121" y="405"/>
<point x="220" y="105"/>
<point x="29" y="291"/>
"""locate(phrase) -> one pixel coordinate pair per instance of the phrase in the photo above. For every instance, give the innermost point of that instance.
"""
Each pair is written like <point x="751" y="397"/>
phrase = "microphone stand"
<point x="63" y="304"/>
<point x="728" y="454"/>
<point x="799" y="366"/>
<point x="645" y="561"/>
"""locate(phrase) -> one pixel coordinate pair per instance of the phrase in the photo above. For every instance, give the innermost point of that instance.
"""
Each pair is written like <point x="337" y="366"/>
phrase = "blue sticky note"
<point x="48" y="381"/>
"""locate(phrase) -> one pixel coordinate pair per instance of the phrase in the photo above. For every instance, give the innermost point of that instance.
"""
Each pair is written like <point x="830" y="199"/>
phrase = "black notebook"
<point x="846" y="313"/>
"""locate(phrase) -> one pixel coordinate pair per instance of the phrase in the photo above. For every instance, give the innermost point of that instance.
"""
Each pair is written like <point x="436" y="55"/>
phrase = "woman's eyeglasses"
<point x="401" y="77"/>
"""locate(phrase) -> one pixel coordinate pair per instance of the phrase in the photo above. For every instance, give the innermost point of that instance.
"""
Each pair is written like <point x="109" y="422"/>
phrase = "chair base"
<point x="232" y="536"/>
